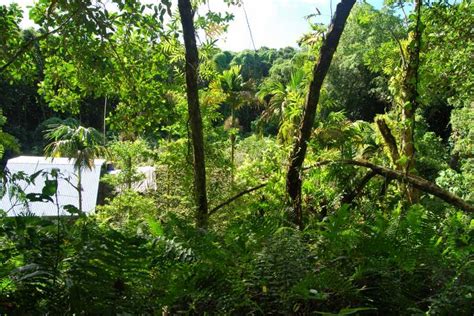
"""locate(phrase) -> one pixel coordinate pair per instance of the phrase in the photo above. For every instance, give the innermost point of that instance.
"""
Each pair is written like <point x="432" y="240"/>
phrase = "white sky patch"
<point x="274" y="23"/>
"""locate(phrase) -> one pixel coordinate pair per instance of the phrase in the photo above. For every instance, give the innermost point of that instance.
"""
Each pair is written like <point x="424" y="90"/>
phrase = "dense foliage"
<point x="91" y="81"/>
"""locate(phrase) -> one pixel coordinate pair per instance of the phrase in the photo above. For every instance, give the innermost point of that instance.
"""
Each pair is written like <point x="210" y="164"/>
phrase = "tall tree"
<point x="283" y="101"/>
<point x="326" y="52"/>
<point x="195" y="120"/>
<point x="232" y="84"/>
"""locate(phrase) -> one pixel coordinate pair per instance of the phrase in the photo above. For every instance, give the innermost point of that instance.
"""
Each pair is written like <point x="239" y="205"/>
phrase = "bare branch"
<point x="235" y="197"/>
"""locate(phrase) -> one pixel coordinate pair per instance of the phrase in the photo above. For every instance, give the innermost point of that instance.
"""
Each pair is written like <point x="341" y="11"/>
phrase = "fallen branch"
<point x="235" y="197"/>
<point x="417" y="182"/>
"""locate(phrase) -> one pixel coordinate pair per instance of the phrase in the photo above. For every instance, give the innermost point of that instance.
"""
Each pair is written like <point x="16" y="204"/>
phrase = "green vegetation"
<point x="332" y="178"/>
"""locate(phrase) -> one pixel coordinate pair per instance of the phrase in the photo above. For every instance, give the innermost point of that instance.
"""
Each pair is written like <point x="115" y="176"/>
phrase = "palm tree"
<point x="83" y="144"/>
<point x="284" y="102"/>
<point x="232" y="84"/>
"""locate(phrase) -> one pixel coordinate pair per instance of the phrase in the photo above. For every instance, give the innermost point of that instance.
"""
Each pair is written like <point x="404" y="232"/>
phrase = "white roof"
<point x="49" y="161"/>
<point x="66" y="193"/>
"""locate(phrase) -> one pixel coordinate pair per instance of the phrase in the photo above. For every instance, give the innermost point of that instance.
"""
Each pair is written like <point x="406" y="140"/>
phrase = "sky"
<point x="274" y="23"/>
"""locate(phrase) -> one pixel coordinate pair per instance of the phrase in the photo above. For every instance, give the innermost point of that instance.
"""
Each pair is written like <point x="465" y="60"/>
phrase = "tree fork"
<point x="195" y="120"/>
<point x="326" y="52"/>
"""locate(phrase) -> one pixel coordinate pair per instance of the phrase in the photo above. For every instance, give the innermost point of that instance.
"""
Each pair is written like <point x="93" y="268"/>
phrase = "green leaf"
<point x="155" y="227"/>
<point x="50" y="187"/>
<point x="71" y="209"/>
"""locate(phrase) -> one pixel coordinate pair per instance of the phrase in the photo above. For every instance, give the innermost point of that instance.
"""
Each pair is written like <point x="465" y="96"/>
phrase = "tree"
<point x="231" y="83"/>
<point x="356" y="82"/>
<point x="127" y="156"/>
<point x="407" y="96"/>
<point x="76" y="142"/>
<point x="409" y="90"/>
<point x="283" y="102"/>
<point x="297" y="156"/>
<point x="222" y="60"/>
<point x="195" y="121"/>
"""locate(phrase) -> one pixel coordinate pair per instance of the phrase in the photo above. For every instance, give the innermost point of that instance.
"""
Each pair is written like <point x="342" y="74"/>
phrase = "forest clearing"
<point x="156" y="158"/>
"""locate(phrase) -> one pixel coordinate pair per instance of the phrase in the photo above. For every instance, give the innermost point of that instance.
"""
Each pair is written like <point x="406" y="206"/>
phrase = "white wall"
<point x="66" y="193"/>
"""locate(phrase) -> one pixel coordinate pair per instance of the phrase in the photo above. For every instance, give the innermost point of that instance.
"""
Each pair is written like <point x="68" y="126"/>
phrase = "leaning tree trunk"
<point x="192" y="67"/>
<point x="326" y="52"/>
<point x="409" y="98"/>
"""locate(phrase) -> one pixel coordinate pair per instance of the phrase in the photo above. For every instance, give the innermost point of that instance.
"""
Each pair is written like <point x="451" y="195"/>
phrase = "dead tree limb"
<point x="389" y="175"/>
<point x="319" y="164"/>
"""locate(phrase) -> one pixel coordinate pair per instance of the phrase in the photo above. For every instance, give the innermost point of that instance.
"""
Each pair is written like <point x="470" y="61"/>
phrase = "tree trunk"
<point x="129" y="172"/>
<point x="192" y="67"/>
<point x="409" y="97"/>
<point x="79" y="189"/>
<point x="329" y="45"/>
<point x="232" y="154"/>
<point x="232" y="145"/>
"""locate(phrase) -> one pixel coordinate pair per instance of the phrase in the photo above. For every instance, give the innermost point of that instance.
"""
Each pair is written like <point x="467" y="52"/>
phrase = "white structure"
<point x="67" y="194"/>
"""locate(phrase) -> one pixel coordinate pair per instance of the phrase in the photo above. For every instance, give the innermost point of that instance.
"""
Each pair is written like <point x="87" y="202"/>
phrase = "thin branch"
<point x="235" y="197"/>
<point x="26" y="46"/>
<point x="402" y="8"/>
<point x="400" y="47"/>
<point x="386" y="184"/>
